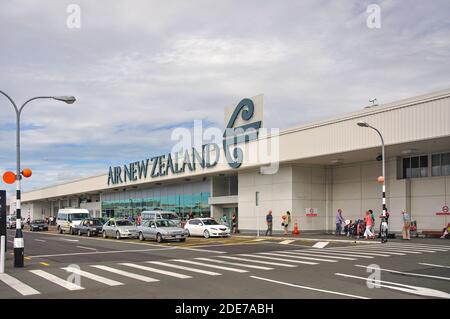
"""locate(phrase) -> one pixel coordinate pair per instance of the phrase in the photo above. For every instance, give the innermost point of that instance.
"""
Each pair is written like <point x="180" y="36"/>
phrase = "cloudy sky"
<point x="141" y="68"/>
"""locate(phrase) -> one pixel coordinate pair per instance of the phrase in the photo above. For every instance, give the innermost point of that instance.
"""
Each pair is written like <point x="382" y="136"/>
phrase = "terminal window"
<point x="416" y="166"/>
<point x="440" y="164"/>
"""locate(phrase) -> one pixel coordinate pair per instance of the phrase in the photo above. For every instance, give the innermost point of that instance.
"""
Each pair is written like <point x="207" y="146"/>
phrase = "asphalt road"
<point x="225" y="268"/>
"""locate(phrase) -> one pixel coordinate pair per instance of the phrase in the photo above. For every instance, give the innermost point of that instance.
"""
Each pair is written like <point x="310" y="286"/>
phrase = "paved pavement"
<point x="65" y="266"/>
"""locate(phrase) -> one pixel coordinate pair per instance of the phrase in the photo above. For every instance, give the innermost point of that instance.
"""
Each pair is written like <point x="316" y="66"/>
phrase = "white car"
<point x="206" y="227"/>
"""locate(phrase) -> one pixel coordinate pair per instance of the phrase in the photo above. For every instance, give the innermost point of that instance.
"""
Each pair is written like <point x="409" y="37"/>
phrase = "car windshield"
<point x="78" y="216"/>
<point x="123" y="223"/>
<point x="94" y="222"/>
<point x="39" y="221"/>
<point x="165" y="223"/>
<point x="169" y="216"/>
<point x="210" y="222"/>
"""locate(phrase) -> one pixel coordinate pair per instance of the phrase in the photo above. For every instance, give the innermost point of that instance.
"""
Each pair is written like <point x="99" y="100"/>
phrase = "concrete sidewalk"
<point x="333" y="238"/>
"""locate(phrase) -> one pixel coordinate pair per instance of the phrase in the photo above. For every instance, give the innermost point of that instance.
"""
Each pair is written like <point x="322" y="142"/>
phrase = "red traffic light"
<point x="27" y="172"/>
<point x="9" y="177"/>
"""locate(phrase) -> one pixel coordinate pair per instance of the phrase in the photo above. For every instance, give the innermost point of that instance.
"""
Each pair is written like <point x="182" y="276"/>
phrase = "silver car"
<point x="119" y="228"/>
<point x="161" y="230"/>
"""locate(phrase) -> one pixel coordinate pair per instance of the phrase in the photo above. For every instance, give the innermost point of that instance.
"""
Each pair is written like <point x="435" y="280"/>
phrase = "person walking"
<point x="223" y="220"/>
<point x="373" y="221"/>
<point x="286" y="222"/>
<point x="368" y="220"/>
<point x="406" y="225"/>
<point x="269" y="222"/>
<point x="139" y="219"/>
<point x="234" y="223"/>
<point x="339" y="221"/>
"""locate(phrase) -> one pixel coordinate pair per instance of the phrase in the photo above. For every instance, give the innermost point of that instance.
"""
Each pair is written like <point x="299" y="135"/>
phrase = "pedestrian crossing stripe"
<point x="300" y="257"/>
<point x="158" y="271"/>
<point x="200" y="271"/>
<point x="56" y="280"/>
<point x="101" y="279"/>
<point x="209" y="265"/>
<point x="280" y="259"/>
<point x="234" y="264"/>
<point x="259" y="261"/>
<point x="18" y="286"/>
<point x="312" y="255"/>
<point x="125" y="273"/>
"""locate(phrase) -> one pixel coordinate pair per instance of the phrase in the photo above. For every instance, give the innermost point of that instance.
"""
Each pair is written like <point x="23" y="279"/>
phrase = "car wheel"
<point x="71" y="231"/>
<point x="159" y="238"/>
<point x="141" y="236"/>
<point x="206" y="233"/>
<point x="182" y="239"/>
<point x="79" y="232"/>
<point x="104" y="234"/>
<point x="117" y="235"/>
<point x="89" y="233"/>
<point x="188" y="233"/>
<point x="60" y="230"/>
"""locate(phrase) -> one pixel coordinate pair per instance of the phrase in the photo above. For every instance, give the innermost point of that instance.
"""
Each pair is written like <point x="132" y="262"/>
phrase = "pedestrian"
<point x="234" y="223"/>
<point x="269" y="222"/>
<point x="339" y="221"/>
<point x="286" y="222"/>
<point x="368" y="220"/>
<point x="373" y="221"/>
<point x="139" y="220"/>
<point x="446" y="231"/>
<point x="406" y="225"/>
<point x="190" y="216"/>
<point x="223" y="220"/>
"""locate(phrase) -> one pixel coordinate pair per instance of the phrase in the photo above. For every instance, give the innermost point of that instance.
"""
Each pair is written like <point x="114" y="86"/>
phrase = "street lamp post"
<point x="18" y="239"/>
<point x="364" y="124"/>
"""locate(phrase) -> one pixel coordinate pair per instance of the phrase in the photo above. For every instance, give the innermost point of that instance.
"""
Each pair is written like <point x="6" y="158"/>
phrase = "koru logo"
<point x="241" y="134"/>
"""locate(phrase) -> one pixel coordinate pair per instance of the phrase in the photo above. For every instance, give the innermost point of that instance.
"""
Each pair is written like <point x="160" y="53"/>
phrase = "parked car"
<point x="158" y="214"/>
<point x="89" y="226"/>
<point x="38" y="224"/>
<point x="68" y="218"/>
<point x="161" y="230"/>
<point x="119" y="228"/>
<point x="206" y="227"/>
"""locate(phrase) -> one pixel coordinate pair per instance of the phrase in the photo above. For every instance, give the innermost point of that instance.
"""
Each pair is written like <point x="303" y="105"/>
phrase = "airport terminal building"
<point x="311" y="171"/>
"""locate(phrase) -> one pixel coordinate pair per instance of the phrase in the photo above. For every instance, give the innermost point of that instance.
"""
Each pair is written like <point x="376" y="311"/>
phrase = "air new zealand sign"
<point x="190" y="160"/>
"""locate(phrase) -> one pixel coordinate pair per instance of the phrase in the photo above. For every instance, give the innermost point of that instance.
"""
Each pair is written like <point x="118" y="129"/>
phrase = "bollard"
<point x="2" y="255"/>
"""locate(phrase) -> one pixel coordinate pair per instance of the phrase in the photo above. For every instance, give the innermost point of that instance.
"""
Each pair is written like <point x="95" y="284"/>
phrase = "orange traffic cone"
<point x="296" y="232"/>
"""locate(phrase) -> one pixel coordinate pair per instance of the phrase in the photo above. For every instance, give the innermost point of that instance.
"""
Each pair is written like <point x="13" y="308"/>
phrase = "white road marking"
<point x="433" y="265"/>
<point x="259" y="261"/>
<point x="406" y="273"/>
<point x="286" y="242"/>
<point x="388" y="250"/>
<point x="89" y="275"/>
<point x="89" y="248"/>
<point x="300" y="257"/>
<point x="18" y="286"/>
<point x="259" y="239"/>
<point x="200" y="271"/>
<point x="280" y="259"/>
<point x="312" y="255"/>
<point x="326" y="252"/>
<point x="203" y="250"/>
<point x="101" y="252"/>
<point x="212" y="266"/>
<point x="158" y="271"/>
<point x="419" y="248"/>
<point x="125" y="273"/>
<point x="234" y="264"/>
<point x="420" y="245"/>
<point x="321" y="244"/>
<point x="56" y="280"/>
<point x="72" y="240"/>
<point x="41" y="240"/>
<point x="309" y="288"/>
<point x="401" y="287"/>
<point x="359" y="252"/>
